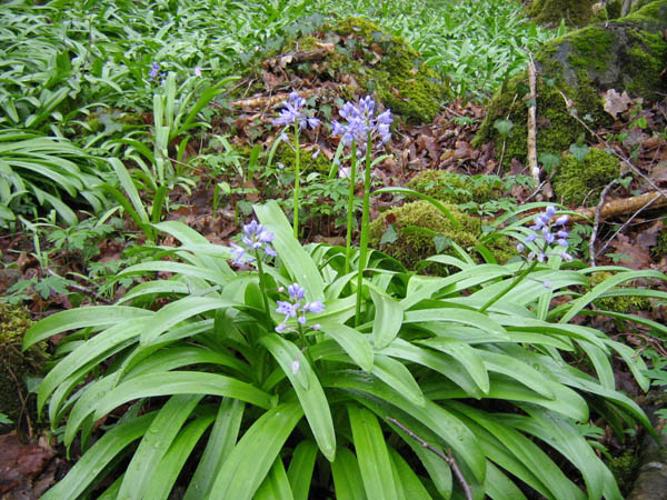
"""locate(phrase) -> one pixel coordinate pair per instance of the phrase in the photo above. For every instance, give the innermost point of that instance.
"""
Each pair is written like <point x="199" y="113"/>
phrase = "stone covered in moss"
<point x="373" y="61"/>
<point x="573" y="12"/>
<point x="624" y="304"/>
<point x="579" y="181"/>
<point x="417" y="225"/>
<point x="627" y="54"/>
<point x="285" y="156"/>
<point x="456" y="188"/>
<point x="15" y="364"/>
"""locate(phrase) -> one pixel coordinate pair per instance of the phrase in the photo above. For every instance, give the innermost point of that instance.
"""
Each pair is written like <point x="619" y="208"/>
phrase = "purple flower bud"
<point x="566" y="256"/>
<point x="562" y="242"/>
<point x="550" y="211"/>
<point x="520" y="247"/>
<point x="155" y="71"/>
<point x="531" y="237"/>
<point x="197" y="71"/>
<point x="562" y="234"/>
<point x="314" y="307"/>
<point x="562" y="220"/>
<point x="316" y="327"/>
<point x="296" y="292"/>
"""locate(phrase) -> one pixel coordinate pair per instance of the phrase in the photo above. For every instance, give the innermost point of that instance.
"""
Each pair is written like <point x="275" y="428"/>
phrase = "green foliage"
<point x="579" y="181"/>
<point x="456" y="188"/>
<point x="629" y="303"/>
<point x="423" y="231"/>
<point x="198" y="351"/>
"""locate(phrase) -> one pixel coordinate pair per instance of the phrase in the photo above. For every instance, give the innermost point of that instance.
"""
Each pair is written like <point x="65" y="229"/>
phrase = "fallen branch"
<point x="615" y="208"/>
<point x="449" y="459"/>
<point x="532" y="122"/>
<point x="282" y="61"/>
<point x="268" y="101"/>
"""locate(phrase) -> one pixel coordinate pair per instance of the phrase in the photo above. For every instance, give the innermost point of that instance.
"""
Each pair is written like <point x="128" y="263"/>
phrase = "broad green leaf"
<point x="250" y="461"/>
<point x="354" y="343"/>
<point x="348" y="483"/>
<point x="301" y="467"/>
<point x="405" y="476"/>
<point x="83" y="317"/>
<point x="396" y="375"/>
<point x="372" y="453"/>
<point x="388" y="319"/>
<point x="307" y="388"/>
<point x="276" y="485"/>
<point x="464" y="354"/>
<point x="499" y="487"/>
<point x="452" y="315"/>
<point x="180" y="382"/>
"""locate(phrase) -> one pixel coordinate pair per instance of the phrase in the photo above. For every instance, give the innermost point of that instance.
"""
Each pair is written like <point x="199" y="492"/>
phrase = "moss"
<point x="577" y="181"/>
<point x="417" y="225"/>
<point x="624" y="305"/>
<point x="456" y="188"/>
<point x="15" y="364"/>
<point x="573" y="12"/>
<point x="660" y="248"/>
<point x="624" y="467"/>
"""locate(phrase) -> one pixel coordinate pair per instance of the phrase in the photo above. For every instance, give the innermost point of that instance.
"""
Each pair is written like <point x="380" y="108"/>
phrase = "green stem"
<point x="261" y="284"/>
<point x="518" y="279"/>
<point x="363" y="244"/>
<point x="350" y="207"/>
<point x="297" y="178"/>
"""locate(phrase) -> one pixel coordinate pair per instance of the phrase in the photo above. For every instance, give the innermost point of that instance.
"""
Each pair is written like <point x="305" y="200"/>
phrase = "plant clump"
<point x="420" y="230"/>
<point x="15" y="365"/>
<point x="455" y="188"/>
<point x="580" y="180"/>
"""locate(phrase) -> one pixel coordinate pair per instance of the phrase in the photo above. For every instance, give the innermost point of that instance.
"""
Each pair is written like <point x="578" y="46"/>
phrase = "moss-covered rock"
<point x="417" y="226"/>
<point x="15" y="365"/>
<point x="573" y="12"/>
<point x="456" y="188"/>
<point x="627" y="54"/>
<point x="308" y="161"/>
<point x="373" y="61"/>
<point x="583" y="180"/>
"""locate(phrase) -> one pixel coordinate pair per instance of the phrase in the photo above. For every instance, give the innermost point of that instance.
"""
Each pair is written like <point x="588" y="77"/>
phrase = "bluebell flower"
<point x="294" y="112"/>
<point x="197" y="71"/>
<point x="155" y="71"/>
<point x="361" y="120"/>
<point x="255" y="238"/>
<point x="547" y="236"/>
<point x="297" y="308"/>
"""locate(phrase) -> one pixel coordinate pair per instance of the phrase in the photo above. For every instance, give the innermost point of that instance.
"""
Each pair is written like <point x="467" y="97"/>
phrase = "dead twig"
<point x="532" y="121"/>
<point x="624" y="206"/>
<point x="596" y="223"/>
<point x="269" y="101"/>
<point x="320" y="52"/>
<point x="449" y="459"/>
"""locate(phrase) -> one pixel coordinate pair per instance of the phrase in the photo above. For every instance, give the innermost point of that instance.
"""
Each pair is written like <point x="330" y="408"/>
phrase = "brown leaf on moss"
<point x="615" y="103"/>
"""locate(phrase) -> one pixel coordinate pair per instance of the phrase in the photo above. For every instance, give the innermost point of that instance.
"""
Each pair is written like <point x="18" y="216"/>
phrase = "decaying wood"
<point x="268" y="101"/>
<point x="320" y="52"/>
<point x="616" y="208"/>
<point x="532" y="122"/>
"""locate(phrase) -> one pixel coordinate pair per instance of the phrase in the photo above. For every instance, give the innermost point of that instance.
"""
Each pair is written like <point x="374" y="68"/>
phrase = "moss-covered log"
<point x="627" y="54"/>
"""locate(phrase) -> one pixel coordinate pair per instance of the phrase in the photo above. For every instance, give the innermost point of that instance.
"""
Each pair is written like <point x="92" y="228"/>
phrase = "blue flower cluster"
<point x="255" y="239"/>
<point x="550" y="236"/>
<point x="155" y="71"/>
<point x="294" y="112"/>
<point x="297" y="307"/>
<point x="362" y="122"/>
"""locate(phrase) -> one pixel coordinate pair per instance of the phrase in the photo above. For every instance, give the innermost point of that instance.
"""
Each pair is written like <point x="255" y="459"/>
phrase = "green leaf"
<point x="396" y="375"/>
<point x="405" y="476"/>
<point x="388" y="319"/>
<point x="276" y="485"/>
<point x="348" y="484"/>
<point x="352" y="341"/>
<point x="179" y="382"/>
<point x="83" y="317"/>
<point x="301" y="467"/>
<point x="389" y="236"/>
<point x="374" y="461"/>
<point x="307" y="388"/>
<point x="250" y="461"/>
<point x="464" y="354"/>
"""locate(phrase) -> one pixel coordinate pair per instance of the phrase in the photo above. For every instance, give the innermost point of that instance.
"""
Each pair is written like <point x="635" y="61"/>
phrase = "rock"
<point x="628" y="55"/>
<point x="573" y="12"/>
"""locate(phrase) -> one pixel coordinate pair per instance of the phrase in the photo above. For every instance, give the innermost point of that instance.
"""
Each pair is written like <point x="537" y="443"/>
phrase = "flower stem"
<point x="518" y="279"/>
<point x="297" y="179"/>
<point x="363" y="244"/>
<point x="261" y="283"/>
<point x="350" y="207"/>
